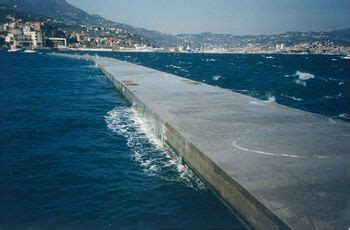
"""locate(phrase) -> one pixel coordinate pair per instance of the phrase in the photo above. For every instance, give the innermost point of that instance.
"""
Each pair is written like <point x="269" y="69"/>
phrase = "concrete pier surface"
<point x="278" y="167"/>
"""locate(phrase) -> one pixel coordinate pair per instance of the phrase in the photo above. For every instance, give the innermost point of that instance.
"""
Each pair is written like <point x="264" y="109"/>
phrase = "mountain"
<point x="6" y="10"/>
<point x="338" y="37"/>
<point x="61" y="10"/>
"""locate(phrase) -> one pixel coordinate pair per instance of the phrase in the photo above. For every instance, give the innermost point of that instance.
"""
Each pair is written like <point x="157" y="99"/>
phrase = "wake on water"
<point x="147" y="150"/>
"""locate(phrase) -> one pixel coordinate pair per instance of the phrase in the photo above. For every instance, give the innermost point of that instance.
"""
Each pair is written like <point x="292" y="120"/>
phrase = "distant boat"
<point x="346" y="57"/>
<point x="29" y="51"/>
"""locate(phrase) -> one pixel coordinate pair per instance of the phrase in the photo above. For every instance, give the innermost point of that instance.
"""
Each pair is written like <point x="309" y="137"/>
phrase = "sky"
<point x="239" y="17"/>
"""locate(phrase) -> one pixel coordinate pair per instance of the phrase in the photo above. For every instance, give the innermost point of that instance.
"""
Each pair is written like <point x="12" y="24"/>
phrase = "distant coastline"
<point x="168" y="51"/>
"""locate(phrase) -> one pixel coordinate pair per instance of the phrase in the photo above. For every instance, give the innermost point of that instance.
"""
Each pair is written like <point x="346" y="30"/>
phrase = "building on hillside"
<point x="23" y="36"/>
<point x="37" y="26"/>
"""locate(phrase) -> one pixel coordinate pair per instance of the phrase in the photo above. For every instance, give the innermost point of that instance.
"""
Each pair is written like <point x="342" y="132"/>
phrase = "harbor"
<point x="275" y="166"/>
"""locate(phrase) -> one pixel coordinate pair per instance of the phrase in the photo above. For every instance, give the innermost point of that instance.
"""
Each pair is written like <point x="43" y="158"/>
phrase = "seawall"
<point x="278" y="167"/>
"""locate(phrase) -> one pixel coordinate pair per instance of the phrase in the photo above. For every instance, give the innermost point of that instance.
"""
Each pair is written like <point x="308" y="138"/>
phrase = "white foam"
<point x="332" y="79"/>
<point x="148" y="150"/>
<point x="291" y="97"/>
<point x="270" y="98"/>
<point x="174" y="66"/>
<point x="210" y="59"/>
<point x="177" y="67"/>
<point x="334" y="97"/>
<point x="241" y="90"/>
<point x="344" y="116"/>
<point x="299" y="82"/>
<point x="216" y="78"/>
<point x="269" y="57"/>
<point x="303" y="76"/>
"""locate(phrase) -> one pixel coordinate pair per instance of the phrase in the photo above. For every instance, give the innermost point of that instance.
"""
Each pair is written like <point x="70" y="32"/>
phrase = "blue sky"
<point x="238" y="17"/>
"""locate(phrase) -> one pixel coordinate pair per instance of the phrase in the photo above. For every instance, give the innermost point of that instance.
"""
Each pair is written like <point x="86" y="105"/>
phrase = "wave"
<point x="177" y="67"/>
<point x="344" y="116"/>
<point x="216" y="78"/>
<point x="302" y="77"/>
<point x="291" y="97"/>
<point x="339" y="95"/>
<point x="333" y="79"/>
<point x="269" y="99"/>
<point x="241" y="90"/>
<point x="174" y="66"/>
<point x="300" y="82"/>
<point x="269" y="57"/>
<point x="149" y="151"/>
<point x="210" y="59"/>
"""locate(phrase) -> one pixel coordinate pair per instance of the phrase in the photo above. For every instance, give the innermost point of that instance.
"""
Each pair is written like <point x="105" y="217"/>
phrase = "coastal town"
<point x="17" y="34"/>
<point x="52" y="34"/>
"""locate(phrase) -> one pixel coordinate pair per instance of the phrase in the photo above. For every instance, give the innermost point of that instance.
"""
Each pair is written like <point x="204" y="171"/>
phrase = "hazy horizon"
<point x="250" y="17"/>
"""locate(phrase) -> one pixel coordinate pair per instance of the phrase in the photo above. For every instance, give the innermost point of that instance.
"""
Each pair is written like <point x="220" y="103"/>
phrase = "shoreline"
<point x="207" y="53"/>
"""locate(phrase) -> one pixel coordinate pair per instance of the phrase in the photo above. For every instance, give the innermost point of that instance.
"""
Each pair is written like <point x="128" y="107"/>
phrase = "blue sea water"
<point x="314" y="83"/>
<point x="75" y="154"/>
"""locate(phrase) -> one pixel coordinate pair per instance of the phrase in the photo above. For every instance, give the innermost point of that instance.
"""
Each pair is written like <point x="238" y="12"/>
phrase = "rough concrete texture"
<point x="276" y="166"/>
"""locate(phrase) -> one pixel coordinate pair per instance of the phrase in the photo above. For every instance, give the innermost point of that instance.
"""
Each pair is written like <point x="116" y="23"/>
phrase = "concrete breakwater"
<point x="278" y="167"/>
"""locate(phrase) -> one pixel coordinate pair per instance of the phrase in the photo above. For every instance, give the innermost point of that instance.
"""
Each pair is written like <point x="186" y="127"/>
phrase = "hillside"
<point x="61" y="10"/>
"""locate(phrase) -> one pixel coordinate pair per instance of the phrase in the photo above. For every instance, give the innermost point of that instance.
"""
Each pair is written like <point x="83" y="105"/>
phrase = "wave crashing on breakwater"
<point x="147" y="150"/>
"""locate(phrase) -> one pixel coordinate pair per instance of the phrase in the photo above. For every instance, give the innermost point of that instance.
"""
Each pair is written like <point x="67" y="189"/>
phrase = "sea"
<point x="76" y="155"/>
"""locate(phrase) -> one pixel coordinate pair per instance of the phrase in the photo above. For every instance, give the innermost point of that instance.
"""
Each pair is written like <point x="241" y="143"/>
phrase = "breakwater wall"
<point x="279" y="168"/>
